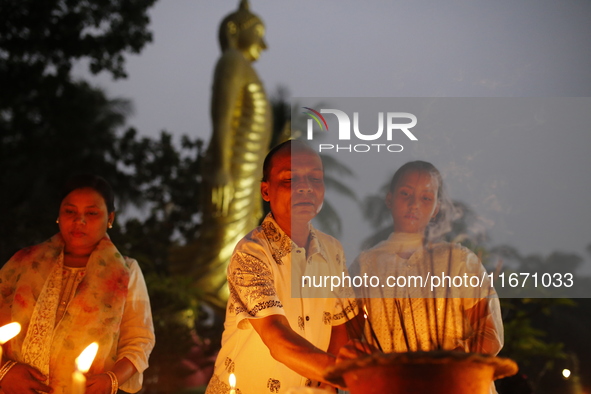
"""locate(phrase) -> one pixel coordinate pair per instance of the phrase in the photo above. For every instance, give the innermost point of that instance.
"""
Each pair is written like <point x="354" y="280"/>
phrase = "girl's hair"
<point x="95" y="182"/>
<point x="442" y="222"/>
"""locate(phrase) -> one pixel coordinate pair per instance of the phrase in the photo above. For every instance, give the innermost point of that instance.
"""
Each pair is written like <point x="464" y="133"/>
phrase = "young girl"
<point x="430" y="296"/>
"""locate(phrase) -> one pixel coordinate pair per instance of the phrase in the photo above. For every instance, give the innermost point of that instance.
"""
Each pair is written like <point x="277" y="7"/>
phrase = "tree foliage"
<point x="39" y="38"/>
<point x="167" y="178"/>
<point x="50" y="125"/>
<point x="75" y="132"/>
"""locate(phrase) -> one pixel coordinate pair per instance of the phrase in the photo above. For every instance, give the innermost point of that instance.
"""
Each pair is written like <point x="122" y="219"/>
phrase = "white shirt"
<point x="264" y="278"/>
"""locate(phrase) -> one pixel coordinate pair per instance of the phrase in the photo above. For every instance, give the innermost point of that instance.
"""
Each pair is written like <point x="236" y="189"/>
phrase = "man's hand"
<point x="291" y="349"/>
<point x="354" y="349"/>
<point x="328" y="387"/>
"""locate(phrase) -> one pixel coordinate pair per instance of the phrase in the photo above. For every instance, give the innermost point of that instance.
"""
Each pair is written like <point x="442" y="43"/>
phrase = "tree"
<point x="50" y="125"/>
<point x="38" y="39"/>
<point x="76" y="132"/>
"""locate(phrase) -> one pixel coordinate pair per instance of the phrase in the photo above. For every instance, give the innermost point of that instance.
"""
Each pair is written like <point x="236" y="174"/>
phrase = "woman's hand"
<point x="24" y="379"/>
<point x="98" y="384"/>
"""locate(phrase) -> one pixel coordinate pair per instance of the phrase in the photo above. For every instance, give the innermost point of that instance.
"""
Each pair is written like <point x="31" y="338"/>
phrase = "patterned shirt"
<point x="265" y="278"/>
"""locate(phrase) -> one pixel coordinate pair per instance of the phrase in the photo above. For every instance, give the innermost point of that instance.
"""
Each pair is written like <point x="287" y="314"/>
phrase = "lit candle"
<point x="8" y="332"/>
<point x="232" y="381"/>
<point x="83" y="363"/>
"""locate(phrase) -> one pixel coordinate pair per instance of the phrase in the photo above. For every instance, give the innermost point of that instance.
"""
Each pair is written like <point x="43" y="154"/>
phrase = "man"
<point x="274" y="338"/>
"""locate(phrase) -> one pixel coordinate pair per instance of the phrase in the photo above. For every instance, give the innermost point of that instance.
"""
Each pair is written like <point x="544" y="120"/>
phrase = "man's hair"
<point x="293" y="145"/>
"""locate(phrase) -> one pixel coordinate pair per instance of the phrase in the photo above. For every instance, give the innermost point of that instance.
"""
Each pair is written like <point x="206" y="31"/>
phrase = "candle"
<point x="7" y="332"/>
<point x="78" y="383"/>
<point x="83" y="363"/>
<point x="232" y="381"/>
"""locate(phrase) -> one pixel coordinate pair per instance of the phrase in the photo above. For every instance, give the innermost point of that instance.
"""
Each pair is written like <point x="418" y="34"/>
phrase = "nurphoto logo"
<point x="397" y="123"/>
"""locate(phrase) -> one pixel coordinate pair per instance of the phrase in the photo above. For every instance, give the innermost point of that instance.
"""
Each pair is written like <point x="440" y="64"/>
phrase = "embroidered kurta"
<point x="264" y="278"/>
<point x="106" y="303"/>
<point x="412" y="317"/>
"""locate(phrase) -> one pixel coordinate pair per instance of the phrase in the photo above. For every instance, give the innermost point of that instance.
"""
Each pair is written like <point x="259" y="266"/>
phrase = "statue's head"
<point x="244" y="31"/>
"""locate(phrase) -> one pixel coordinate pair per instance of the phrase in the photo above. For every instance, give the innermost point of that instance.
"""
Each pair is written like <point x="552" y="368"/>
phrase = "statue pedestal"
<point x="437" y="372"/>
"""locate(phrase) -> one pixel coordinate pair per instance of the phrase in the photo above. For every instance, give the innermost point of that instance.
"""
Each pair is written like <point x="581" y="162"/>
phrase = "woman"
<point x="72" y="290"/>
<point x="419" y="308"/>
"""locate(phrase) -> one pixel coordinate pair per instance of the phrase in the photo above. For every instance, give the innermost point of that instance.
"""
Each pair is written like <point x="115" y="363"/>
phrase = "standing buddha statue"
<point x="242" y="124"/>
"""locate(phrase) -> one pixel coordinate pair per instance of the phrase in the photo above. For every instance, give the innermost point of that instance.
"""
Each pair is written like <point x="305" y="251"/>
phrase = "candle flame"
<point x="85" y="359"/>
<point x="365" y="314"/>
<point x="232" y="380"/>
<point x="9" y="331"/>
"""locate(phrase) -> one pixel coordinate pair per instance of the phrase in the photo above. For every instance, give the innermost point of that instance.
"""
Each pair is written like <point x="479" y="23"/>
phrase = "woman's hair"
<point x="442" y="222"/>
<point x="95" y="182"/>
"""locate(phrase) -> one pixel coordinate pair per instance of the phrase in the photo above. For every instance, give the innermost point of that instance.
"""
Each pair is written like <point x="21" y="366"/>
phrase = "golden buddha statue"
<point x="240" y="111"/>
<point x="241" y="118"/>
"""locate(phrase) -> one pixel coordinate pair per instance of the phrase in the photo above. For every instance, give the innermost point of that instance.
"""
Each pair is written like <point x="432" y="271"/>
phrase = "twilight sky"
<point x="376" y="48"/>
